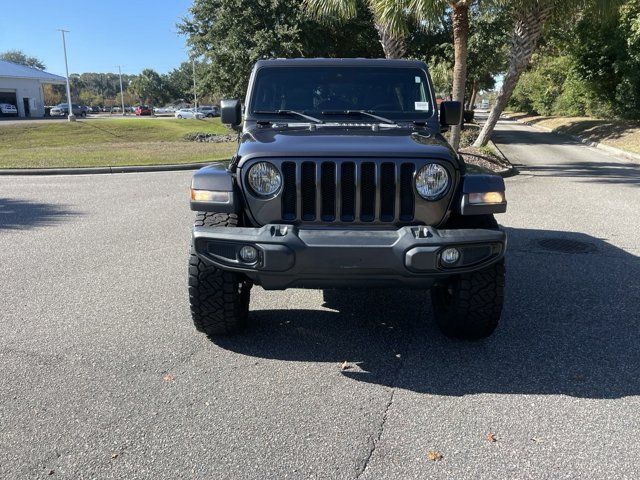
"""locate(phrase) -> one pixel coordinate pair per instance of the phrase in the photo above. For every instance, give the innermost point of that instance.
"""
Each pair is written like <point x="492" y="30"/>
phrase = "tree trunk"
<point x="393" y="46"/>
<point x="474" y="94"/>
<point x="524" y="40"/>
<point x="460" y="19"/>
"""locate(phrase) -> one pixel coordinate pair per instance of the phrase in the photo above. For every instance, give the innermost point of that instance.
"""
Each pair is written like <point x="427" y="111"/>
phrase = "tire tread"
<point x="219" y="299"/>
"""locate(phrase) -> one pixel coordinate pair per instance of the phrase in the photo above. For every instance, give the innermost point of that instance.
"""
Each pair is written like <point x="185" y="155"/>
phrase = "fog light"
<point x="450" y="256"/>
<point x="248" y="254"/>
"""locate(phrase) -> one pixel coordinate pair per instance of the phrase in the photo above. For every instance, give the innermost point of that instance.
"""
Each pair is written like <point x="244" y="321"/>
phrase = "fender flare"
<point x="215" y="178"/>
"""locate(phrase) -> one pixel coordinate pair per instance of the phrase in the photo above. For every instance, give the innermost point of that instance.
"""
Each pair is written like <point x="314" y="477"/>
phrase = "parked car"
<point x="95" y="109"/>
<point x="62" y="109"/>
<point x="189" y="113"/>
<point x="209" y="111"/>
<point x="85" y="109"/>
<point x="352" y="185"/>
<point x="143" y="110"/>
<point x="6" y="109"/>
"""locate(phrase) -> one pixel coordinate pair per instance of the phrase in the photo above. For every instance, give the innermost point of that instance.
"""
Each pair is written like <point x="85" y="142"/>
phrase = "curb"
<point x="103" y="170"/>
<point x="605" y="148"/>
<point x="513" y="171"/>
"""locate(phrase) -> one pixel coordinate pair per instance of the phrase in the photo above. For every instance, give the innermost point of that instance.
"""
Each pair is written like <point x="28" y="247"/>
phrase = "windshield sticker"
<point x="421" y="105"/>
<point x="418" y="79"/>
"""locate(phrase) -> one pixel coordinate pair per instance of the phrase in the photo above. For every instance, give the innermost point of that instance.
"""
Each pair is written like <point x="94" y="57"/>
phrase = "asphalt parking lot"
<point x="104" y="376"/>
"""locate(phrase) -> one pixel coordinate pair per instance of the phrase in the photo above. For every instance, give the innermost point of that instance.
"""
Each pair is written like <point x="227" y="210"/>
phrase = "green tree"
<point x="148" y="87"/>
<point x="606" y="55"/>
<point x="19" y="57"/>
<point x="530" y="18"/>
<point x="232" y="35"/>
<point x="392" y="40"/>
<point x="487" y="49"/>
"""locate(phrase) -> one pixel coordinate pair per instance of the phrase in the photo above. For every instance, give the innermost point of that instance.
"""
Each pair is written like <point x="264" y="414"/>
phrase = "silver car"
<point x="189" y="113"/>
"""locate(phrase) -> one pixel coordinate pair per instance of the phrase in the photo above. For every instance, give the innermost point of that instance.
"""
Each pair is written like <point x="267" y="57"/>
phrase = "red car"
<point x="143" y="110"/>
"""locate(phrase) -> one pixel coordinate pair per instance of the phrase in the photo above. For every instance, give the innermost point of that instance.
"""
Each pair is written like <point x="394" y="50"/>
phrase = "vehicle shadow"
<point x="570" y="326"/>
<point x="21" y="214"/>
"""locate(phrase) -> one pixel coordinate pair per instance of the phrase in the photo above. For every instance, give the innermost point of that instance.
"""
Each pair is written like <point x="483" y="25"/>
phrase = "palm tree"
<point x="392" y="41"/>
<point x="530" y="17"/>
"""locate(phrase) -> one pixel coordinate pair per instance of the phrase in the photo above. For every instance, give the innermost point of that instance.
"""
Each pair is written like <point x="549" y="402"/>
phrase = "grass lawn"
<point x="109" y="142"/>
<point x="621" y="134"/>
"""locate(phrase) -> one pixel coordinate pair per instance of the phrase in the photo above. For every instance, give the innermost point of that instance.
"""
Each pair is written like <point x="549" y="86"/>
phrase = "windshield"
<point x="398" y="93"/>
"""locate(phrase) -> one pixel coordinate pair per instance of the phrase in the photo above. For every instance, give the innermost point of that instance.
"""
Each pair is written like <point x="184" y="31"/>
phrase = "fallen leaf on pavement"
<point x="434" y="456"/>
<point x="51" y="472"/>
<point x="537" y="439"/>
<point x="491" y="437"/>
<point x="114" y="455"/>
<point x="168" y="377"/>
<point x="345" y="366"/>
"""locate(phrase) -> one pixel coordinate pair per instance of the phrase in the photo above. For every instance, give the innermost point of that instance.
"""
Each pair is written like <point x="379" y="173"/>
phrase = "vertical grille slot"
<point x="368" y="192"/>
<point x="289" y="197"/>
<point x="406" y="192"/>
<point x="348" y="192"/>
<point x="308" y="191"/>
<point x="328" y="187"/>
<point x="387" y="191"/>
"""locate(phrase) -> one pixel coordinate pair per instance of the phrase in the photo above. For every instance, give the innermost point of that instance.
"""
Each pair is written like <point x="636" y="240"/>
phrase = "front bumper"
<point x="289" y="256"/>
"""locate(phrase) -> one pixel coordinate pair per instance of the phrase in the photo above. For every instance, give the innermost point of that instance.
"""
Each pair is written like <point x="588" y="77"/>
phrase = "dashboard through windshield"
<point x="396" y="93"/>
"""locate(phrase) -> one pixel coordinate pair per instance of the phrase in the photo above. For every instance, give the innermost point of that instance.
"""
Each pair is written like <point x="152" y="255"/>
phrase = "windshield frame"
<point x="428" y="116"/>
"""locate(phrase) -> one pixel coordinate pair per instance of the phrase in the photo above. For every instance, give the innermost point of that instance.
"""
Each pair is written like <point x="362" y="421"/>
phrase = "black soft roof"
<point x="362" y="62"/>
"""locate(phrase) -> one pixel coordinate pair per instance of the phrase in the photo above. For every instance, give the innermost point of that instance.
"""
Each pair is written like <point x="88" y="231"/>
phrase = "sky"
<point x="136" y="34"/>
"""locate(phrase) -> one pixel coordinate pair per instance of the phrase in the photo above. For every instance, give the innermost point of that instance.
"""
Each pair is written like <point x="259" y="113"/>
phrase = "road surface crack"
<point x="373" y="442"/>
<point x="375" y="439"/>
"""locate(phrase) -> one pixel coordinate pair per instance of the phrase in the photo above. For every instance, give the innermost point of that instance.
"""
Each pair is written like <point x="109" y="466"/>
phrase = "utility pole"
<point x="71" y="116"/>
<point x="121" y="92"/>
<point x="195" y="92"/>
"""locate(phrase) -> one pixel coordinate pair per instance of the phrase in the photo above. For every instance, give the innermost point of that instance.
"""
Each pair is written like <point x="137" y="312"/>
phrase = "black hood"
<point x="343" y="143"/>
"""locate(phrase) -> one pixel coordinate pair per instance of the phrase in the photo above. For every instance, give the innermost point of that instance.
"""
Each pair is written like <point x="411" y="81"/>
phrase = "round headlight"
<point x="432" y="181"/>
<point x="264" y="178"/>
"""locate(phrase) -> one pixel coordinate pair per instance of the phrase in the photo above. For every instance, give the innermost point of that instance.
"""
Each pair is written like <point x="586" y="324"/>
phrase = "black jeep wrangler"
<point x="342" y="179"/>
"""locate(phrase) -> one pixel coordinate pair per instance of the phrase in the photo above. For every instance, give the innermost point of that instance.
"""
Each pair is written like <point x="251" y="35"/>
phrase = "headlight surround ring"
<point x="432" y="181"/>
<point x="264" y="178"/>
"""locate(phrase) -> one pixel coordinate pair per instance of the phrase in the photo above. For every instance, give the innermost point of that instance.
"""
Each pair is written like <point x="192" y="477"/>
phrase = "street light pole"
<point x="71" y="116"/>
<point x="121" y="92"/>
<point x="195" y="91"/>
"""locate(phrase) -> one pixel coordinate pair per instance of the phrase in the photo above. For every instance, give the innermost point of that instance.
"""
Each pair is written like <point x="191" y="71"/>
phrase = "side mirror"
<point x="450" y="113"/>
<point x="231" y="113"/>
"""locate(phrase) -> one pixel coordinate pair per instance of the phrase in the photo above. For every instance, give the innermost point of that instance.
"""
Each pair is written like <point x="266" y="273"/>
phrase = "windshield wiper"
<point x="359" y="112"/>
<point x="289" y="112"/>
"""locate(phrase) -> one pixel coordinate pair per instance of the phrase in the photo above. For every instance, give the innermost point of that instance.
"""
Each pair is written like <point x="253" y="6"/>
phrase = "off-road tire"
<point x="219" y="299"/>
<point x="469" y="305"/>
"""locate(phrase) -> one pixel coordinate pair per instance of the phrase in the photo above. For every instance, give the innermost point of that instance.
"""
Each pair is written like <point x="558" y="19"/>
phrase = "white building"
<point x="22" y="86"/>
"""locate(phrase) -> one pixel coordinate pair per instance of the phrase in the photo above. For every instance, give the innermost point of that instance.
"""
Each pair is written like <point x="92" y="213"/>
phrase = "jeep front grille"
<point x="347" y="191"/>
